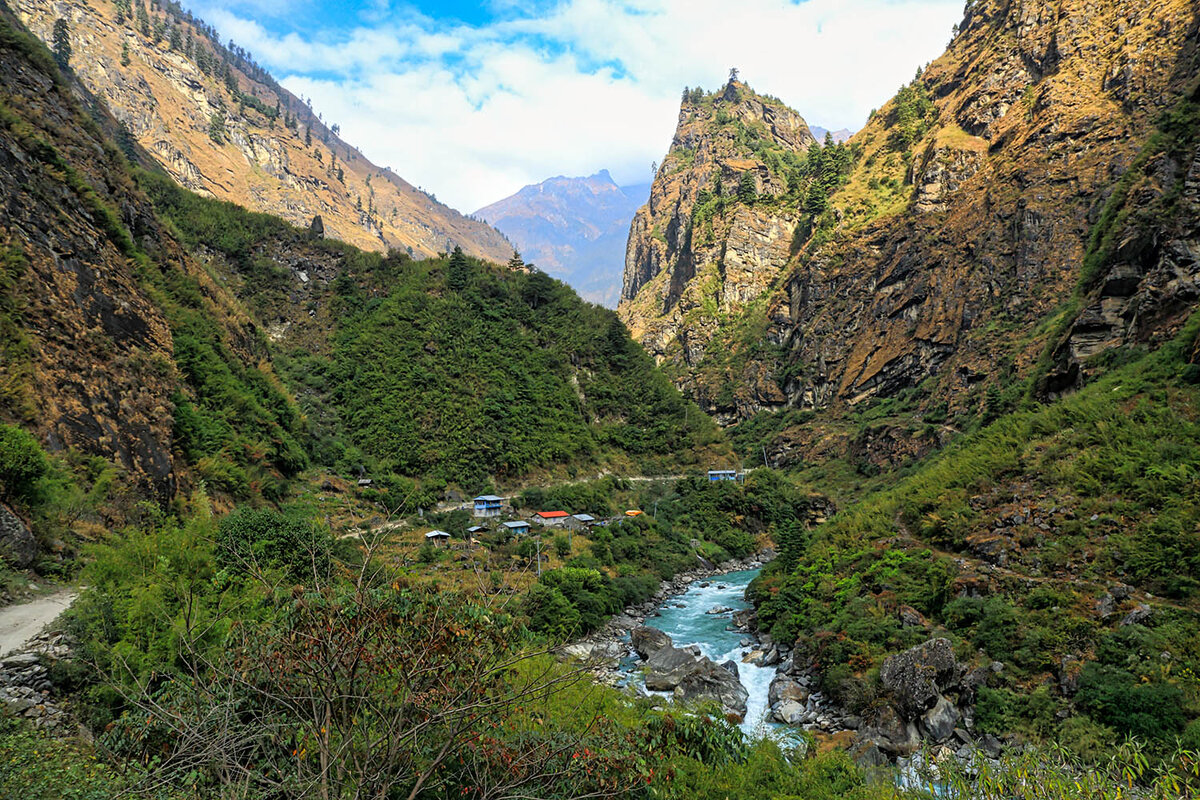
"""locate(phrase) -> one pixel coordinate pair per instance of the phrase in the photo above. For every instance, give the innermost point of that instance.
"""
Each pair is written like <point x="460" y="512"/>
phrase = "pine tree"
<point x="125" y="54"/>
<point x="143" y="19"/>
<point x="62" y="44"/>
<point x="216" y="127"/>
<point x="458" y="271"/>
<point x="747" y="188"/>
<point x="516" y="262"/>
<point x="308" y="137"/>
<point x="176" y="38"/>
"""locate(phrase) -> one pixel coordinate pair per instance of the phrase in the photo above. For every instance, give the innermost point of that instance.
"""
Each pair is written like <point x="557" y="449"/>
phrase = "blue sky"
<point x="474" y="100"/>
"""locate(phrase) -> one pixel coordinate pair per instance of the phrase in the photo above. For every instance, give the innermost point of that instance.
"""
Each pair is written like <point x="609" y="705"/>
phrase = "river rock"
<point x="732" y="666"/>
<point x="667" y="667"/>
<point x="647" y="641"/>
<point x="708" y="681"/>
<point x="785" y="689"/>
<point x="17" y="544"/>
<point x="916" y="677"/>
<point x="594" y="652"/>
<point x="788" y="712"/>
<point x="939" y="722"/>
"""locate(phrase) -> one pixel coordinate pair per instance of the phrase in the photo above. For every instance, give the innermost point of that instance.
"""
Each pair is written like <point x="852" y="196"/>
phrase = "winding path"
<point x="20" y="623"/>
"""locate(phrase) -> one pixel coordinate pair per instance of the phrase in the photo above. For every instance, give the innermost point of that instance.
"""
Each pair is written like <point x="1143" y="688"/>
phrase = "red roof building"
<point x="551" y="517"/>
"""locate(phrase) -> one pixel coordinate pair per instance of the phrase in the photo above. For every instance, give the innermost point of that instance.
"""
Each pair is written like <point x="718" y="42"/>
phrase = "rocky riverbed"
<point x="698" y="639"/>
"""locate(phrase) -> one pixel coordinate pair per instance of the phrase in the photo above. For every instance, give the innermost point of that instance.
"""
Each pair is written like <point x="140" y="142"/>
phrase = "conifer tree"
<point x="125" y="54"/>
<point x="747" y="188"/>
<point x="308" y="137"/>
<point x="62" y="44"/>
<point x="458" y="271"/>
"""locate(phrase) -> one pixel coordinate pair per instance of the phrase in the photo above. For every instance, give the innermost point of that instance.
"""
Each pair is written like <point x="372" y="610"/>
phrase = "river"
<point x="684" y="618"/>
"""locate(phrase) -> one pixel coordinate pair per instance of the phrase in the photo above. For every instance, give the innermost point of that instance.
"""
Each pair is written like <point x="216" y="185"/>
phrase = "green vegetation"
<point x="725" y="518"/>
<point x="1115" y="469"/>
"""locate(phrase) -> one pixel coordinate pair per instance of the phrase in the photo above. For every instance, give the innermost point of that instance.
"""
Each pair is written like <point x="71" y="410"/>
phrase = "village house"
<point x="437" y="538"/>
<point x="551" y="519"/>
<point x="578" y="521"/>
<point x="517" y="528"/>
<point x="488" y="505"/>
<point x="722" y="475"/>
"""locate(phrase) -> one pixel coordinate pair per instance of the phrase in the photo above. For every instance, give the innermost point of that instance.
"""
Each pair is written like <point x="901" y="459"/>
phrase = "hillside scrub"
<point x="1115" y="468"/>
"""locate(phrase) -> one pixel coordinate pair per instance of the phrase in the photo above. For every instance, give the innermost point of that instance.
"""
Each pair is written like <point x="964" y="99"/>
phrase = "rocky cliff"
<point x="221" y="126"/>
<point x="89" y="345"/>
<point x="975" y="201"/>
<point x="718" y="226"/>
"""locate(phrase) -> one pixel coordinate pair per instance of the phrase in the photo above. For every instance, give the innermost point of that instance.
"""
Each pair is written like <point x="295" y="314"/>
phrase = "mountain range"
<point x="960" y="350"/>
<point x="574" y="228"/>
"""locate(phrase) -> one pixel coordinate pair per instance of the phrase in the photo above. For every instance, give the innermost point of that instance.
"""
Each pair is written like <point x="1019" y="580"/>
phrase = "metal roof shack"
<point x="520" y="526"/>
<point x="437" y="537"/>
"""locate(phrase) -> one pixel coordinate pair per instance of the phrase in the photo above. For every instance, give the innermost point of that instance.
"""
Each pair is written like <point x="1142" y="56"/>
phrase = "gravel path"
<point x="18" y="624"/>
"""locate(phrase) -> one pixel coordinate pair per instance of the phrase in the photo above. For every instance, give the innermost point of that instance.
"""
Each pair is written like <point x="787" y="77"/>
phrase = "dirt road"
<point x="20" y="623"/>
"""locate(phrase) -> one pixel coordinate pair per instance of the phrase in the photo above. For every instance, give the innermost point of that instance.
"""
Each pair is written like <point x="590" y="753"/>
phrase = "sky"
<point x="472" y="101"/>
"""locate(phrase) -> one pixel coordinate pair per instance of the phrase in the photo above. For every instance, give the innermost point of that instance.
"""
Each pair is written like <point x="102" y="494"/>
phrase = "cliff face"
<point x="965" y="220"/>
<point x="218" y="124"/>
<point x="574" y="228"/>
<point x="717" y="228"/>
<point x="87" y="349"/>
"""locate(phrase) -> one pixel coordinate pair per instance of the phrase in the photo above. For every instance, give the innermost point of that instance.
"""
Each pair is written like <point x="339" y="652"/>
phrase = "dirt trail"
<point x="18" y="624"/>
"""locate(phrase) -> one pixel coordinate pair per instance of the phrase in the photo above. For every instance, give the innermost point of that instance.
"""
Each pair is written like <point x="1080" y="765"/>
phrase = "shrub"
<point x="1116" y="698"/>
<point x="250" y="540"/>
<point x="22" y="464"/>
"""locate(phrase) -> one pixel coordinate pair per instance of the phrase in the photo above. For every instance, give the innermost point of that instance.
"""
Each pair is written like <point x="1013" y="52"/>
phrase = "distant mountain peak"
<point x="574" y="228"/>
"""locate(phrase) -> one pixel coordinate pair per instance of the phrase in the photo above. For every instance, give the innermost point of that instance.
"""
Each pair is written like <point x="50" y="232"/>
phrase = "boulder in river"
<point x="784" y="689"/>
<point x="667" y="667"/>
<point x="647" y="641"/>
<point x="709" y="681"/>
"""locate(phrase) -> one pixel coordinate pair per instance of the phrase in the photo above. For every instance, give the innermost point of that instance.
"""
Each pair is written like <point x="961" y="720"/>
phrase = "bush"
<point x="252" y="540"/>
<point x="22" y="464"/>
<point x="1116" y="698"/>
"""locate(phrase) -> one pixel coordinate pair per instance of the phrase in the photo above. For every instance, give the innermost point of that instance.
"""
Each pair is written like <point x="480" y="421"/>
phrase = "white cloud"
<point x="474" y="113"/>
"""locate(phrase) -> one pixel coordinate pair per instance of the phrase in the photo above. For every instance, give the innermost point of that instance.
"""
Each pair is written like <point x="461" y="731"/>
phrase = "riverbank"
<point x="610" y="643"/>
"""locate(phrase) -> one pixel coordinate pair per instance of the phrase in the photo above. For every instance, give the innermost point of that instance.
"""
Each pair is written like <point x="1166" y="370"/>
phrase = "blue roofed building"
<point x="517" y="528"/>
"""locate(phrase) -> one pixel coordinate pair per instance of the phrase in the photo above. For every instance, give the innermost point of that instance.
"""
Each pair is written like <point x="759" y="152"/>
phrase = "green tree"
<point x="125" y="54"/>
<point x="254" y="541"/>
<point x="747" y="191"/>
<point x="22" y="464"/>
<point x="216" y="127"/>
<point x="458" y="270"/>
<point x="62" y="44"/>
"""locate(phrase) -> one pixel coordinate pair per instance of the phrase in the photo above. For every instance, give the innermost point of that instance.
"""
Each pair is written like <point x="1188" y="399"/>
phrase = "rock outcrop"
<point x="691" y="677"/>
<point x="18" y="546"/>
<point x="965" y="217"/>
<point x="713" y="236"/>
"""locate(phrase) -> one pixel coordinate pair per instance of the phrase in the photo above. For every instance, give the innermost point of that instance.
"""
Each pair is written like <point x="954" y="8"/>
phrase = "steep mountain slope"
<point x="962" y="225"/>
<point x="574" y="228"/>
<point x="221" y="126"/>
<point x="169" y="333"/>
<point x="112" y="332"/>
<point x="720" y="220"/>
